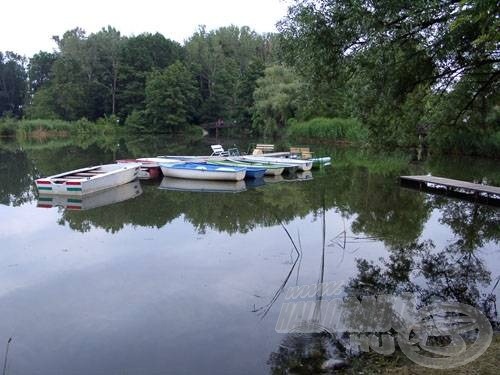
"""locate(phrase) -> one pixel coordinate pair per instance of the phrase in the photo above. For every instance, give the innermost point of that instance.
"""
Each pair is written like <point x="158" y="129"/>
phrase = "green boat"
<point x="321" y="162"/>
<point x="271" y="169"/>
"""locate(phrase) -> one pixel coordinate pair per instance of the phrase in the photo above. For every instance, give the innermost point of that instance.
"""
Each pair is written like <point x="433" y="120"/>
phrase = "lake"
<point x="186" y="282"/>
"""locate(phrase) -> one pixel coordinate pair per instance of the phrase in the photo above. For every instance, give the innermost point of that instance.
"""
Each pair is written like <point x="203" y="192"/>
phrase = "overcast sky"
<point x="27" y="26"/>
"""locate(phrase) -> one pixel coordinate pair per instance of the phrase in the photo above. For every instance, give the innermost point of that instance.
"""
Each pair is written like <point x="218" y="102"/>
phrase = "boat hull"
<point x="268" y="170"/>
<point x="252" y="172"/>
<point x="203" y="172"/>
<point x="149" y="170"/>
<point x="302" y="165"/>
<point x="321" y="162"/>
<point x="111" y="175"/>
<point x="255" y="173"/>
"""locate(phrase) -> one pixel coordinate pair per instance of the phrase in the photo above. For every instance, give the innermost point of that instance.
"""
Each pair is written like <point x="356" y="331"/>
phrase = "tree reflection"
<point x="455" y="273"/>
<point x="16" y="178"/>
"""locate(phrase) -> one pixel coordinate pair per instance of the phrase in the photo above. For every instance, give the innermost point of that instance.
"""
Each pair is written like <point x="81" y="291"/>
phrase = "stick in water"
<point x="6" y="355"/>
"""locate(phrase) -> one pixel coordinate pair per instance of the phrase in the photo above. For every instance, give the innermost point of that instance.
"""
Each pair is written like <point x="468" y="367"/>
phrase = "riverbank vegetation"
<point x="329" y="129"/>
<point x="55" y="128"/>
<point x="395" y="74"/>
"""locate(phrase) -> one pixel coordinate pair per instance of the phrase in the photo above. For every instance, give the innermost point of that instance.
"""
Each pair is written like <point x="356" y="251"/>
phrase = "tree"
<point x="39" y="69"/>
<point x="108" y="44"/>
<point x="245" y="89"/>
<point x="226" y="63"/>
<point x="170" y="97"/>
<point x="275" y="99"/>
<point x="12" y="83"/>
<point x="401" y="51"/>
<point x="140" y="55"/>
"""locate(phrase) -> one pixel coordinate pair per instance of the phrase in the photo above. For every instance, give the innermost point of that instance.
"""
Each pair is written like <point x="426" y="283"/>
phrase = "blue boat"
<point x="202" y="171"/>
<point x="255" y="172"/>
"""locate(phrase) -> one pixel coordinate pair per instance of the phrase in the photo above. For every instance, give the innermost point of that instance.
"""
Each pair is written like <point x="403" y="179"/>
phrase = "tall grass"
<point x="333" y="129"/>
<point x="40" y="128"/>
<point x="8" y="127"/>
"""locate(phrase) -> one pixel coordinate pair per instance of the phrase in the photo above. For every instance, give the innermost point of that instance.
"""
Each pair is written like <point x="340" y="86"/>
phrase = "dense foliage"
<point x="403" y="68"/>
<point x="409" y="73"/>
<point x="147" y="81"/>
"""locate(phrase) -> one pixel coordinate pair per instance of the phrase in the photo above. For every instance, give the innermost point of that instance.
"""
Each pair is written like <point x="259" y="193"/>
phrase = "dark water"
<point x="171" y="282"/>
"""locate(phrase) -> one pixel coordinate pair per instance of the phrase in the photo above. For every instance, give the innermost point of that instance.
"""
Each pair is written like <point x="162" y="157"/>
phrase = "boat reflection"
<point x="301" y="176"/>
<point x="202" y="186"/>
<point x="273" y="179"/>
<point x="103" y="198"/>
<point x="290" y="177"/>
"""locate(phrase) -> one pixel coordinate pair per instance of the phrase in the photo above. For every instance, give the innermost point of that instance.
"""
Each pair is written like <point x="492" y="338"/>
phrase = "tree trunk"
<point x="113" y="91"/>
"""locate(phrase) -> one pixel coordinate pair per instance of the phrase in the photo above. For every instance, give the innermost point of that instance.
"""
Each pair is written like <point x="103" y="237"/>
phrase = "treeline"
<point x="146" y="82"/>
<point x="392" y="73"/>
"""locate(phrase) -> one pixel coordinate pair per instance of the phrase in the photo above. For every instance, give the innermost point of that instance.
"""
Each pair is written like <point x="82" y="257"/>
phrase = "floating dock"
<point x="457" y="188"/>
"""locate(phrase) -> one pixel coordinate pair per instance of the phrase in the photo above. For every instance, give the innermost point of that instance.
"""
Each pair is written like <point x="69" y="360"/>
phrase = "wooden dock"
<point x="488" y="193"/>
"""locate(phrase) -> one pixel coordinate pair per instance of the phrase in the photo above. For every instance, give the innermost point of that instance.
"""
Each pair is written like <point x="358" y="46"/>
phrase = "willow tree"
<point x="408" y="54"/>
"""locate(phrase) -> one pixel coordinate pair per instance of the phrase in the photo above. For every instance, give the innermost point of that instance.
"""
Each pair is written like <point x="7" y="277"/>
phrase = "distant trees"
<point x="12" y="84"/>
<point x="147" y="81"/>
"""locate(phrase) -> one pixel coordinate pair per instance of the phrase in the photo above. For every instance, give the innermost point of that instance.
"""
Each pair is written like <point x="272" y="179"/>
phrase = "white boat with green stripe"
<point x="88" y="180"/>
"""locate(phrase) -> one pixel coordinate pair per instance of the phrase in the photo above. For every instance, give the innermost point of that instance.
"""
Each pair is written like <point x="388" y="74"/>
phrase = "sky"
<point x="28" y="26"/>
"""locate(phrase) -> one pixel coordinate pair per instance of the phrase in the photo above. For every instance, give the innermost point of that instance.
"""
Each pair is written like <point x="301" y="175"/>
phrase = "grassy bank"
<point x="46" y="129"/>
<point x="329" y="129"/>
<point x="40" y="129"/>
<point x="372" y="363"/>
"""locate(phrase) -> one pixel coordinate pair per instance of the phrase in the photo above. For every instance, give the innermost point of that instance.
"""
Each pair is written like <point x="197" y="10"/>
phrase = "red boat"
<point x="149" y="170"/>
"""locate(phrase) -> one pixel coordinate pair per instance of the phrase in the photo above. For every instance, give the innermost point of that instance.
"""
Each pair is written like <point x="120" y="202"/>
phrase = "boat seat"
<point x="264" y="147"/>
<point x="303" y="152"/>
<point x="218" y="150"/>
<point x="257" y="152"/>
<point x="85" y="174"/>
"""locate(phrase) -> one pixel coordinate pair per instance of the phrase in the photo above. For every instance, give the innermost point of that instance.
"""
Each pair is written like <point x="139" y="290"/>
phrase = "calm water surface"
<point x="173" y="282"/>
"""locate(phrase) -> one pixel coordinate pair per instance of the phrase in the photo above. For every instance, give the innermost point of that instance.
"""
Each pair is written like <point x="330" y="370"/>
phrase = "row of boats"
<point x="218" y="167"/>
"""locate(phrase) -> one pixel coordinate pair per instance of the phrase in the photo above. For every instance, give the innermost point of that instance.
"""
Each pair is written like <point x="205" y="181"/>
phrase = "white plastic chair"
<point x="218" y="150"/>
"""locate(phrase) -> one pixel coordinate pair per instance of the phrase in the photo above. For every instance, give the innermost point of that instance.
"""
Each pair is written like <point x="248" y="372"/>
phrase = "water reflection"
<point x="202" y="186"/>
<point x="193" y="285"/>
<point x="86" y="202"/>
<point x="455" y="273"/>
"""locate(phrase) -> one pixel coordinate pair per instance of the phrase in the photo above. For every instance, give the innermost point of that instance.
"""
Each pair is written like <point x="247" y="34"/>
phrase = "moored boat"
<point x="270" y="169"/>
<point x="203" y="171"/>
<point x="149" y="169"/>
<point x="161" y="159"/>
<point x="88" y="180"/>
<point x="321" y="162"/>
<point x="303" y="165"/>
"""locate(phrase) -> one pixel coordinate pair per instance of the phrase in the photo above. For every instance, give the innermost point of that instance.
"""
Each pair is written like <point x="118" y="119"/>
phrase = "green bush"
<point x="137" y="121"/>
<point x="334" y="129"/>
